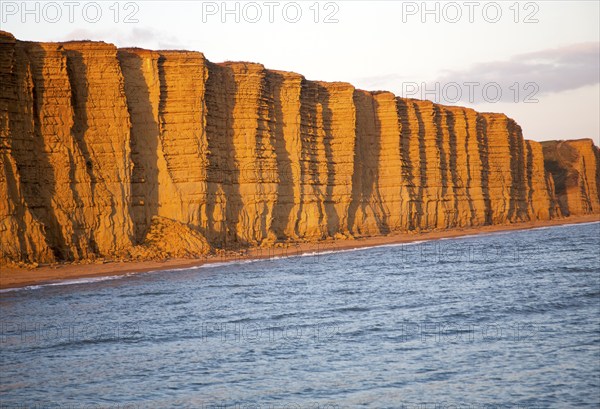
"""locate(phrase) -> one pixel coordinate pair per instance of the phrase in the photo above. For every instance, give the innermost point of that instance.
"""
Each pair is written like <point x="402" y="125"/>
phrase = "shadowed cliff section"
<point x="142" y="90"/>
<point x="21" y="234"/>
<point x="151" y="154"/>
<point x="392" y="182"/>
<point x="224" y="174"/>
<point x="255" y="156"/>
<point x="408" y="147"/>
<point x="432" y="173"/>
<point x="37" y="177"/>
<point x="542" y="206"/>
<point x="165" y="94"/>
<point x="283" y="95"/>
<point x="574" y="167"/>
<point x="99" y="110"/>
<point x="461" y="159"/>
<point x="366" y="212"/>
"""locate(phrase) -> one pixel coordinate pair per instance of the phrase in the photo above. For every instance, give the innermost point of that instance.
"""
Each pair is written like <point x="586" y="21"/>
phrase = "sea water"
<point x="502" y="320"/>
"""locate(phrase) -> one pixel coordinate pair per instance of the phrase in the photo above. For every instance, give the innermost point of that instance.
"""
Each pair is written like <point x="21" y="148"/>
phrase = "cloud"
<point x="380" y="81"/>
<point x="136" y="37"/>
<point x="550" y="71"/>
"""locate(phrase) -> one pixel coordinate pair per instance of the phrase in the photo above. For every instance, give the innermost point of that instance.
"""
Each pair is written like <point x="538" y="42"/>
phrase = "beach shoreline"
<point x="13" y="277"/>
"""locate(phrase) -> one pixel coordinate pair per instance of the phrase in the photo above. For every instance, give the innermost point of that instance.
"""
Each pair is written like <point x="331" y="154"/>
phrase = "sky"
<point x="536" y="61"/>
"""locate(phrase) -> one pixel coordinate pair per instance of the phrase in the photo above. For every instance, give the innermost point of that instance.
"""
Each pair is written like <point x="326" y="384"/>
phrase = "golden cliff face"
<point x="130" y="152"/>
<point x="574" y="169"/>
<point x="65" y="151"/>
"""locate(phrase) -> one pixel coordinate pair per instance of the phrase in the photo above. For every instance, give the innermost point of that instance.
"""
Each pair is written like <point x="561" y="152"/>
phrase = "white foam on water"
<point x="565" y="225"/>
<point x="89" y="280"/>
<point x="73" y="281"/>
<point x="207" y="265"/>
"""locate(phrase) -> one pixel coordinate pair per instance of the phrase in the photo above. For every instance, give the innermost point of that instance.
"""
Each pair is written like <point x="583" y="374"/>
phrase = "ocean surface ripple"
<point x="507" y="320"/>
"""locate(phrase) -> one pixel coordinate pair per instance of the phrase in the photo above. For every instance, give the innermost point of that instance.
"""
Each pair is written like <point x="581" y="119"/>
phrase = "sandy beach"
<point x="12" y="277"/>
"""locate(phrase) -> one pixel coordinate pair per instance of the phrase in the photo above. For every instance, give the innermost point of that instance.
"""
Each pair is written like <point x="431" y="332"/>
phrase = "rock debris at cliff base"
<point x="139" y="153"/>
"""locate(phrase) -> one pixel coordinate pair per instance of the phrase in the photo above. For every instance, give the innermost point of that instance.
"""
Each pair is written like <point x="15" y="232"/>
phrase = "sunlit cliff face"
<point x="106" y="149"/>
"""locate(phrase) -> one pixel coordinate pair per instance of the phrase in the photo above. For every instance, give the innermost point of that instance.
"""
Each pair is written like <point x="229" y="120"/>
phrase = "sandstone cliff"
<point x="574" y="167"/>
<point x="138" y="153"/>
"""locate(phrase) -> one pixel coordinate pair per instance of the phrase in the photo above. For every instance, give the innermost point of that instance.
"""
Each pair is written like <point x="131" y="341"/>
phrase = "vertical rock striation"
<point x="574" y="167"/>
<point x="283" y="95"/>
<point x="22" y="234"/>
<point x="131" y="152"/>
<point x="101" y="132"/>
<point x="67" y="136"/>
<point x="540" y="193"/>
<point x="142" y="91"/>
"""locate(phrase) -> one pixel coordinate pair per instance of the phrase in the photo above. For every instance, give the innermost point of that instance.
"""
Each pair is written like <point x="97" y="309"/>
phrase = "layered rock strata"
<point x="138" y="153"/>
<point x="574" y="167"/>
